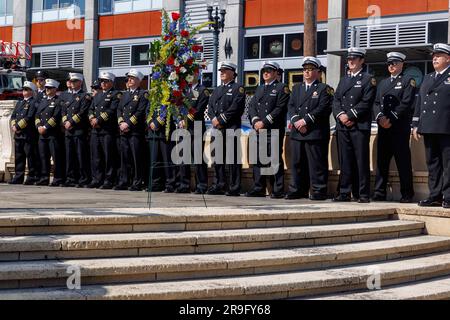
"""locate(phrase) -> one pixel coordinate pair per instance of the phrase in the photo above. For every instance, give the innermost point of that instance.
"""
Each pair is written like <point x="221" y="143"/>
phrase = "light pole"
<point x="218" y="25"/>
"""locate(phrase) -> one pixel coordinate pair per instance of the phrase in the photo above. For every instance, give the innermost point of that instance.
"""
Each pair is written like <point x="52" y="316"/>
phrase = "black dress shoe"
<point x="29" y="182"/>
<point x="446" y="204"/>
<point x="232" y="194"/>
<point x="93" y="185"/>
<point x="318" y="197"/>
<point x="430" y="203"/>
<point x="200" y="191"/>
<point x="363" y="200"/>
<point x="277" y="195"/>
<point x="69" y="185"/>
<point x="169" y="190"/>
<point x="292" y="196"/>
<point x="81" y="185"/>
<point x="55" y="184"/>
<point x="106" y="186"/>
<point x="134" y="188"/>
<point x="406" y="200"/>
<point x="215" y="191"/>
<point x="182" y="190"/>
<point x="42" y="183"/>
<point x="120" y="187"/>
<point x="255" y="193"/>
<point x="342" y="198"/>
<point x="378" y="198"/>
<point x="15" y="182"/>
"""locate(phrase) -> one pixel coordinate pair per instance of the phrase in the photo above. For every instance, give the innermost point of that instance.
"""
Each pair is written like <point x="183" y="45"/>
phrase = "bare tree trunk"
<point x="310" y="35"/>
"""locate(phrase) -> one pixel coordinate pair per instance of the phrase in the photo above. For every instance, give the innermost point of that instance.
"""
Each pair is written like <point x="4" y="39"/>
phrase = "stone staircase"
<point x="295" y="251"/>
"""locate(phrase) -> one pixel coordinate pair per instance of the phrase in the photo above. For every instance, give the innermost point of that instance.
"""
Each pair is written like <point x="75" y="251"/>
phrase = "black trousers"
<point x="276" y="180"/>
<point x="161" y="161"/>
<point x="131" y="160"/>
<point x="437" y="152"/>
<point x="354" y="147"/>
<point x="201" y="170"/>
<point x="103" y="161"/>
<point x="77" y="160"/>
<point x="311" y="157"/>
<point x="233" y="165"/>
<point x="51" y="148"/>
<point x="394" y="144"/>
<point x="26" y="150"/>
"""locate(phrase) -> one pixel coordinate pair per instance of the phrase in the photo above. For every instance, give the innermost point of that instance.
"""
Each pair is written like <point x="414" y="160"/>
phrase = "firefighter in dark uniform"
<point x="96" y="88"/>
<point x="163" y="170"/>
<point x="198" y="97"/>
<point x="225" y="109"/>
<point x="25" y="137"/>
<point x="47" y="121"/>
<point x="267" y="110"/>
<point x="309" y="114"/>
<point x="353" y="108"/>
<point x="40" y="77"/>
<point x="76" y="124"/>
<point x="432" y="121"/>
<point x="131" y="119"/>
<point x="103" y="121"/>
<point x="393" y="109"/>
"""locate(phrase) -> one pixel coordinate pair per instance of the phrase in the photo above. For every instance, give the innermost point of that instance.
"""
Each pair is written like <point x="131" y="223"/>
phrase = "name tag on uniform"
<point x="273" y="94"/>
<point x="52" y="105"/>
<point x="398" y="86"/>
<point x="107" y="100"/>
<point x="447" y="81"/>
<point x="229" y="93"/>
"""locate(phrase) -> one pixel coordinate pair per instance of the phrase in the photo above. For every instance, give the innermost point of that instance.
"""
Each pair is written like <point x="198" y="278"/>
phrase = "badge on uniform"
<point x="373" y="82"/>
<point x="52" y="105"/>
<point x="78" y="99"/>
<point x="207" y="93"/>
<point x="286" y="90"/>
<point x="447" y="81"/>
<point x="315" y="94"/>
<point x="398" y="86"/>
<point x="413" y="83"/>
<point x="358" y="84"/>
<point x="136" y="98"/>
<point x="241" y="89"/>
<point x="146" y="95"/>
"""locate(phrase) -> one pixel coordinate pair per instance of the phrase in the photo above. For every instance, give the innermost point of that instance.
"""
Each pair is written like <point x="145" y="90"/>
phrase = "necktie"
<point x="307" y="88"/>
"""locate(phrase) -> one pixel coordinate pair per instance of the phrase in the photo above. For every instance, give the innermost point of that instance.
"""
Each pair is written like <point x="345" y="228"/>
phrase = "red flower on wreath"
<point x="183" y="84"/>
<point x="184" y="33"/>
<point x="197" y="48"/>
<point x="190" y="61"/>
<point x="171" y="60"/>
<point x="177" y="93"/>
<point x="175" y="16"/>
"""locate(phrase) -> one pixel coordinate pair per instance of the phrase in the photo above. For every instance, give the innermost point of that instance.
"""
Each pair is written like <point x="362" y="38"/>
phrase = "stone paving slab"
<point x="231" y="287"/>
<point x="219" y="261"/>
<point x="156" y="239"/>
<point x="434" y="289"/>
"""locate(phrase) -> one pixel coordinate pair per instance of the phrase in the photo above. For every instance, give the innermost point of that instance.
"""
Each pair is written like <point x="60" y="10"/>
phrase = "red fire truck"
<point x="12" y="73"/>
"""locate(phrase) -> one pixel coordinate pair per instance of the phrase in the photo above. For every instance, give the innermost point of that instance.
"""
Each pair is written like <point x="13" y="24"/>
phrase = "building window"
<point x="36" y="60"/>
<point x="122" y="6"/>
<point x="294" y="45"/>
<point x="6" y="12"/>
<point x="272" y="46"/>
<point x="139" y="55"/>
<point x="51" y="10"/>
<point x="321" y="42"/>
<point x="438" y="32"/>
<point x="105" y="55"/>
<point x="252" y="48"/>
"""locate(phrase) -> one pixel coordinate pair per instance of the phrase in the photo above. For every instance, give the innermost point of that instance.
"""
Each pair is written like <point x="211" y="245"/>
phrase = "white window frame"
<point x="46" y="15"/>
<point x="7" y="19"/>
<point x="130" y="6"/>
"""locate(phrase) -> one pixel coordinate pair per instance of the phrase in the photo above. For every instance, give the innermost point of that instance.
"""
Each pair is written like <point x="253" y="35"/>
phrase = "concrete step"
<point x="26" y="274"/>
<point x="434" y="289"/>
<point x="268" y="286"/>
<point x="14" y="222"/>
<point x="163" y="243"/>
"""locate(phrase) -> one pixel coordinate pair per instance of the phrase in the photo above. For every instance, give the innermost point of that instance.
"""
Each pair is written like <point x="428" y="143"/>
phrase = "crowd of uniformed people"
<point x="107" y="139"/>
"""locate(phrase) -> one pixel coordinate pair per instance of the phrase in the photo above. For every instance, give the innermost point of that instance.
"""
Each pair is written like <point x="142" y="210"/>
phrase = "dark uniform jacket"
<point x="22" y="118"/>
<point x="227" y="104"/>
<point x="198" y="98"/>
<point x="432" y="112"/>
<point x="354" y="97"/>
<point x="314" y="106"/>
<point x="395" y="100"/>
<point x="40" y="95"/>
<point x="104" y="109"/>
<point x="269" y="105"/>
<point x="132" y="109"/>
<point x="75" y="110"/>
<point x="48" y="114"/>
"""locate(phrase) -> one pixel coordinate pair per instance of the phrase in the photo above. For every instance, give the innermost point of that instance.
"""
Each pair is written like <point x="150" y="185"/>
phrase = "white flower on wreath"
<point x="190" y="78"/>
<point x="183" y="70"/>
<point x="173" y="76"/>
<point x="177" y="63"/>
